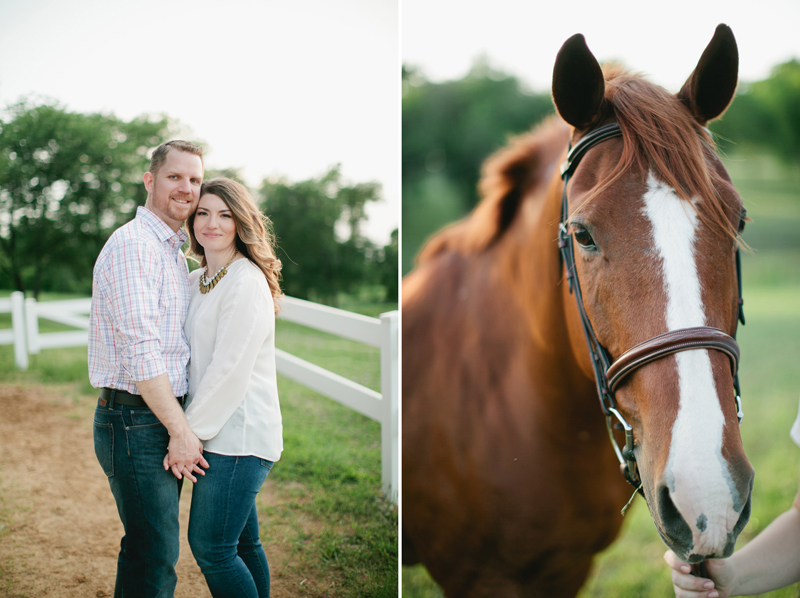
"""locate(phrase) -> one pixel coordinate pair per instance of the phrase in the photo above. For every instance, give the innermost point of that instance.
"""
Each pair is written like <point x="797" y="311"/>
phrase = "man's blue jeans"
<point x="223" y="526"/>
<point x="130" y="444"/>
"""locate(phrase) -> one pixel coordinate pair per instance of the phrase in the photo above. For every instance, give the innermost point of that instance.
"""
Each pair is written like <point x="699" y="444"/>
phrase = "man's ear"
<point x="148" y="181"/>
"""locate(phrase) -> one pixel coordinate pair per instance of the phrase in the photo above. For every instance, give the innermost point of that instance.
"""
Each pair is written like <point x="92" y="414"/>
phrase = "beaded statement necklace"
<point x="206" y="285"/>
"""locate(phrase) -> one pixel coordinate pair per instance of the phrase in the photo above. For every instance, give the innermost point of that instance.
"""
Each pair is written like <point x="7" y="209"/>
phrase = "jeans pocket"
<point x="267" y="464"/>
<point x="146" y="435"/>
<point x="104" y="446"/>
<point x="140" y="420"/>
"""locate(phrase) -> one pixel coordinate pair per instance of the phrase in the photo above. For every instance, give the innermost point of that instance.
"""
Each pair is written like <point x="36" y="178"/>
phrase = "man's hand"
<point x="185" y="456"/>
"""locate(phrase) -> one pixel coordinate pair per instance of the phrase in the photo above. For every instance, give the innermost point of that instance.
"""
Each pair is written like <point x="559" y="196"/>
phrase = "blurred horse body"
<point x="510" y="485"/>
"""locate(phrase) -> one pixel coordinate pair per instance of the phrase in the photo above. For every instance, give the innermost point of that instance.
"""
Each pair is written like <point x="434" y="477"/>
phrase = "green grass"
<point x="770" y="379"/>
<point x="333" y="469"/>
<point x="329" y="507"/>
<point x="357" y="361"/>
<point x="330" y="473"/>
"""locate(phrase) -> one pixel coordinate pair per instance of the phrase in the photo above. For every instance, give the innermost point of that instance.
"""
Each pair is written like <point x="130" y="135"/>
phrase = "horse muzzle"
<point x="698" y="518"/>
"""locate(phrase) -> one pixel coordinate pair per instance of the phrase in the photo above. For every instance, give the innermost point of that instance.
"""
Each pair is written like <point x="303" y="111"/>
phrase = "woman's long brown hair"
<point x="254" y="237"/>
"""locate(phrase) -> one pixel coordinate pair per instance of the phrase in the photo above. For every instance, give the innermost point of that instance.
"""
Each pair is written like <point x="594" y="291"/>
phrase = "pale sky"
<point x="661" y="39"/>
<point x="292" y="88"/>
<point x="275" y="88"/>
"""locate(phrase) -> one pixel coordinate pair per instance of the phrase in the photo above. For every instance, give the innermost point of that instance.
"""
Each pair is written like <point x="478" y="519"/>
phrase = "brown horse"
<point x="510" y="483"/>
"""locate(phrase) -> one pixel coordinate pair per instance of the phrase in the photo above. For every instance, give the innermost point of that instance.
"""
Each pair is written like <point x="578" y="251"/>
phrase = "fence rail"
<point x="380" y="332"/>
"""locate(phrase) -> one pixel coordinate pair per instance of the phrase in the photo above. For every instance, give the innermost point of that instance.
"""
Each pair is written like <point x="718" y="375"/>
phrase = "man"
<point x="138" y="357"/>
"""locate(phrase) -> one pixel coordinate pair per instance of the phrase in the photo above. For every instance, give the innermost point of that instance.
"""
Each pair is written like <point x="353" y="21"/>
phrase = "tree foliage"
<point x="452" y="127"/>
<point x="766" y="114"/>
<point x="449" y="129"/>
<point x="389" y="267"/>
<point x="317" y="225"/>
<point x="67" y="180"/>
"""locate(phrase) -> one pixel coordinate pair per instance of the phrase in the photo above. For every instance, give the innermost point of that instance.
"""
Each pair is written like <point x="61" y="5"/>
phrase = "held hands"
<point x="688" y="586"/>
<point x="185" y="456"/>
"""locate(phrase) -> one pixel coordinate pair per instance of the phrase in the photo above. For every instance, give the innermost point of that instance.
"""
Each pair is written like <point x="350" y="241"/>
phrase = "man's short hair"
<point x="160" y="153"/>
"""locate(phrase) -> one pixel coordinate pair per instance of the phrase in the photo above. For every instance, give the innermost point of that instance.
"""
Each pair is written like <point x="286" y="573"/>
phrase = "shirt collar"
<point x="161" y="229"/>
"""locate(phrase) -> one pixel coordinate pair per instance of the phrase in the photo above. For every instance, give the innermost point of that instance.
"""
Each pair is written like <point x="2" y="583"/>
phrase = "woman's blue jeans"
<point x="223" y="526"/>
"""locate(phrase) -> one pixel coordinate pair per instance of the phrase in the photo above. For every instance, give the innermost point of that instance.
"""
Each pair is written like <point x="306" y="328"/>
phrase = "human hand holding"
<point x="686" y="585"/>
<point x="185" y="456"/>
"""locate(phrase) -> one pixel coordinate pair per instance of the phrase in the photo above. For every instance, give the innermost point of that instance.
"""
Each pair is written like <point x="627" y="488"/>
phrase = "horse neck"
<point x="530" y="257"/>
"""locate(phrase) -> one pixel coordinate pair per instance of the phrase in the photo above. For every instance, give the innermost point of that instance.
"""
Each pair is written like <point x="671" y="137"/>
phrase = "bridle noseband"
<point x="609" y="375"/>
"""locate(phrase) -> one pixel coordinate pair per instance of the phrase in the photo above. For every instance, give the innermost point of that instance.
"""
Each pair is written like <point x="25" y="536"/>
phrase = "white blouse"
<point x="233" y="392"/>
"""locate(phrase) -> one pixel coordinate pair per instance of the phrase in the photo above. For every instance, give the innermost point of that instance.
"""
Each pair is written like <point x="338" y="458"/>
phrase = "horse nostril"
<point x="674" y="525"/>
<point x="743" y="519"/>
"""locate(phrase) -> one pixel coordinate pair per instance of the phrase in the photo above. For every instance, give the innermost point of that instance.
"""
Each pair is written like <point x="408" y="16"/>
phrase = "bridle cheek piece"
<point x="609" y="375"/>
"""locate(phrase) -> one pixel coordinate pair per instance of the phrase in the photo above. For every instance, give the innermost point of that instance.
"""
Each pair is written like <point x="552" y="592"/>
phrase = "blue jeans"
<point x="130" y="444"/>
<point x="223" y="527"/>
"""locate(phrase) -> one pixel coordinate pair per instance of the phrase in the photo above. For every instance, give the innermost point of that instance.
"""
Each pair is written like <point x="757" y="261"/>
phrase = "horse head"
<point x="653" y="219"/>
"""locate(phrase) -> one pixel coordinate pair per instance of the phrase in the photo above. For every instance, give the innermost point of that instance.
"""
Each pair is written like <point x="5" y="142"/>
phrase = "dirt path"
<point x="59" y="529"/>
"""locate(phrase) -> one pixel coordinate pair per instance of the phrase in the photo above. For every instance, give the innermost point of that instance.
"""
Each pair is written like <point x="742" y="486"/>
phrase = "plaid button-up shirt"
<point x="140" y="296"/>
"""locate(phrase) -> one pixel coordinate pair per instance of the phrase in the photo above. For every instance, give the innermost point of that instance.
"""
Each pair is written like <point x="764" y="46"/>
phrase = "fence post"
<point x="18" y="326"/>
<point x="390" y="424"/>
<point x="32" y="326"/>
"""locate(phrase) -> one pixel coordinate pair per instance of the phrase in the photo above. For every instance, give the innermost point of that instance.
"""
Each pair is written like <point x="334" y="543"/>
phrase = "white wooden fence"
<point x="382" y="407"/>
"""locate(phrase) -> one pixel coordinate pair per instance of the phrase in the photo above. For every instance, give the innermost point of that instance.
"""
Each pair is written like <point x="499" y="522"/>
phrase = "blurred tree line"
<point x="450" y="128"/>
<point x="68" y="180"/>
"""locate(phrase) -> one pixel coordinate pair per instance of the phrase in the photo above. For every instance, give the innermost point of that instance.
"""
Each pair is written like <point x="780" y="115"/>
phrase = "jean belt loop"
<point x="111" y="399"/>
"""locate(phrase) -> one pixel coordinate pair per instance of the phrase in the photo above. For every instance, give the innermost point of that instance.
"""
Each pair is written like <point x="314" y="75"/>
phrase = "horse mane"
<point x="507" y="177"/>
<point x="659" y="134"/>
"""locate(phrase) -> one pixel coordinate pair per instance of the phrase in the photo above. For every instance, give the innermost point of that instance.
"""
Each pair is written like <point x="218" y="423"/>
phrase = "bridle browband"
<point x="610" y="374"/>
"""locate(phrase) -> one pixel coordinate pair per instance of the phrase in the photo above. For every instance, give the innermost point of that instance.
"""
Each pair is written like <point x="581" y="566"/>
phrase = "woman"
<point x="233" y="397"/>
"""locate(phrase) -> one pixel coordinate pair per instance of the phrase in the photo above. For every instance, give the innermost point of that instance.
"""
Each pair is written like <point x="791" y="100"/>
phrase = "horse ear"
<point x="710" y="88"/>
<point x="578" y="84"/>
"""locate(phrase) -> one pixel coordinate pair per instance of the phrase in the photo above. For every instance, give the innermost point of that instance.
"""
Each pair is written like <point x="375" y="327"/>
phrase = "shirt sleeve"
<point x="246" y="320"/>
<point x="130" y="283"/>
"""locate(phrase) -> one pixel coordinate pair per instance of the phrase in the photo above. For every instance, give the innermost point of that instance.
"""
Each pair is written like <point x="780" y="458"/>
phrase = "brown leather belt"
<point x="123" y="397"/>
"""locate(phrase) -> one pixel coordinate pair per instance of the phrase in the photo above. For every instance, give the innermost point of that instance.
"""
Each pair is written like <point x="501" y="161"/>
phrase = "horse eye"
<point x="583" y="237"/>
<point x="742" y="219"/>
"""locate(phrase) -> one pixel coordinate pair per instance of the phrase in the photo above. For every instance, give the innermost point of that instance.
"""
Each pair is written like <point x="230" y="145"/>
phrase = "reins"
<point x="610" y="373"/>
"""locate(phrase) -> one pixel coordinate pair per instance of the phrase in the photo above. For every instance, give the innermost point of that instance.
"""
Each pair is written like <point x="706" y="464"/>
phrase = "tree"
<point x="453" y="127"/>
<point x="310" y="218"/>
<point x="449" y="129"/>
<point x="228" y="173"/>
<point x="388" y="267"/>
<point x="766" y="113"/>
<point x="67" y="180"/>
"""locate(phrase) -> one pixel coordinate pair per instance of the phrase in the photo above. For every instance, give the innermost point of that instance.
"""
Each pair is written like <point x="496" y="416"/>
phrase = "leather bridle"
<point x="610" y="374"/>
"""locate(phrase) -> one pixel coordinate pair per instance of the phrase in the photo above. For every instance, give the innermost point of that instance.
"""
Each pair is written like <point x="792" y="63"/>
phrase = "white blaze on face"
<point x="696" y="473"/>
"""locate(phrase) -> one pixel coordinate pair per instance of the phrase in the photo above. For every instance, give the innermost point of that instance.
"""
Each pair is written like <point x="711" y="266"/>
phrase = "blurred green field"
<point x="770" y="379"/>
<point x="329" y="510"/>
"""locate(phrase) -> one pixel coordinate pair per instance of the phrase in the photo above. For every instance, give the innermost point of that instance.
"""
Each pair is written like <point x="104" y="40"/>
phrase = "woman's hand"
<point x="186" y="472"/>
<point x="687" y="585"/>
